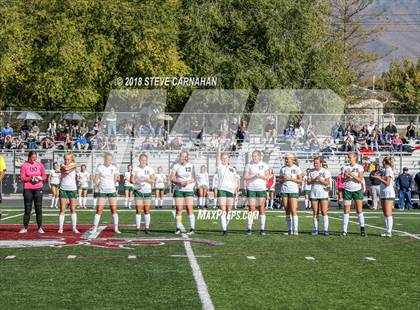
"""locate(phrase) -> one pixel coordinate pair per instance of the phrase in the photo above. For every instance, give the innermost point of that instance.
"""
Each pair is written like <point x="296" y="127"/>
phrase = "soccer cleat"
<point x="191" y="232"/>
<point x="386" y="234"/>
<point x="289" y="232"/>
<point x="75" y="230"/>
<point x="363" y="232"/>
<point x="326" y="233"/>
<point x="249" y="232"/>
<point x="224" y="233"/>
<point x="117" y="231"/>
<point x="296" y="233"/>
<point x="41" y="231"/>
<point x="315" y="233"/>
<point x="345" y="234"/>
<point x="177" y="231"/>
<point x="23" y="230"/>
<point x="262" y="233"/>
<point x="60" y="231"/>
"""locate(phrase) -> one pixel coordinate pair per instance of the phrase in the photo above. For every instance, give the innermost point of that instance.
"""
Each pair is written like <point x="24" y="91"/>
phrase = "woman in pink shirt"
<point x="340" y="188"/>
<point x="32" y="174"/>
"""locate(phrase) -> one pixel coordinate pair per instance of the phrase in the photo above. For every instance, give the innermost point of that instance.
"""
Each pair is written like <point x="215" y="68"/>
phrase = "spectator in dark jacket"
<point x="405" y="184"/>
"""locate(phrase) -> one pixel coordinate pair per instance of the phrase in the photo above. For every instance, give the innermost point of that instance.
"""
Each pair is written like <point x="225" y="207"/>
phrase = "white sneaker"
<point x="41" y="231"/>
<point x="117" y="231"/>
<point x="76" y="231"/>
<point x="386" y="234"/>
<point x="295" y="232"/>
<point x="23" y="230"/>
<point x="60" y="231"/>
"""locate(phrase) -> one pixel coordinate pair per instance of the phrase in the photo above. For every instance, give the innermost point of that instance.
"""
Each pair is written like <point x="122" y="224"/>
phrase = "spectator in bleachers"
<point x="52" y="128"/>
<point x="47" y="142"/>
<point x="74" y="130"/>
<point x="8" y="142"/>
<point x="370" y="127"/>
<point x="111" y="123"/>
<point x="391" y="128"/>
<point x="161" y="145"/>
<point x="240" y="137"/>
<point x="270" y="132"/>
<point x="224" y="127"/>
<point x="176" y="143"/>
<point x="24" y="130"/>
<point x="147" y="129"/>
<point x="214" y="142"/>
<point x="7" y="131"/>
<point x="64" y="127"/>
<point x="128" y="129"/>
<point x="18" y="144"/>
<point x="233" y="128"/>
<point x="35" y="130"/>
<point x="337" y="131"/>
<point x="397" y="143"/>
<point x="374" y="140"/>
<point x="147" y="144"/>
<point x="68" y="143"/>
<point x="111" y="144"/>
<point x="310" y="132"/>
<point x="349" y="145"/>
<point x="300" y="131"/>
<point x="350" y="129"/>
<point x="361" y="140"/>
<point x="160" y="129"/>
<point x="96" y="126"/>
<point x="83" y="128"/>
<point x="417" y="181"/>
<point x="82" y="143"/>
<point x="405" y="184"/>
<point x="411" y="131"/>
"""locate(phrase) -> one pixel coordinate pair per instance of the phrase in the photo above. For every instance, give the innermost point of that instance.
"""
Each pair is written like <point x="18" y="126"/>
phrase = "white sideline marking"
<point x="177" y="255"/>
<point x="132" y="256"/>
<point x="91" y="235"/>
<point x="203" y="292"/>
<point x="251" y="257"/>
<point x="309" y="258"/>
<point x="370" y="258"/>
<point x="10" y="257"/>
<point x="71" y="257"/>
<point x="404" y="233"/>
<point x="12" y="216"/>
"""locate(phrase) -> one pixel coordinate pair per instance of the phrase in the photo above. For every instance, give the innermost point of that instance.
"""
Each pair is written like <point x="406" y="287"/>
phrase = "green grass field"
<point x="280" y="277"/>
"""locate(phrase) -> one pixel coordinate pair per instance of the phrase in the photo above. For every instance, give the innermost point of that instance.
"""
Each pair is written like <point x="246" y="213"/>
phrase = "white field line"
<point x="12" y="216"/>
<point x="93" y="235"/>
<point x="380" y="228"/>
<point x="203" y="292"/>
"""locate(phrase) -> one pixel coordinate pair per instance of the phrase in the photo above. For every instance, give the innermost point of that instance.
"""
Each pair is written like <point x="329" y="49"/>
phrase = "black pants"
<point x="35" y="196"/>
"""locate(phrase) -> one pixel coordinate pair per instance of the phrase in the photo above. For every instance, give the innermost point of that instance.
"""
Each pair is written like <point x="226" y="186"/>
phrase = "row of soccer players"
<point x="256" y="175"/>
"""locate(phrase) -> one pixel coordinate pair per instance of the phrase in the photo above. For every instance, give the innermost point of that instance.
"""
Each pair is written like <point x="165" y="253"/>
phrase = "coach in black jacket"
<point x="405" y="184"/>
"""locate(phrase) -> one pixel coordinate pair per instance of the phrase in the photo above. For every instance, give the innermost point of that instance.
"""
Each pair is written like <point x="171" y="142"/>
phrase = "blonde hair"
<point x="71" y="156"/>
<point x="388" y="161"/>
<point x="293" y="156"/>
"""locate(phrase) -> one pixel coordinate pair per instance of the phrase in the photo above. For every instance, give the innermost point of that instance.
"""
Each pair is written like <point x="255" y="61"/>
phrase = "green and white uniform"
<point x="160" y="180"/>
<point x="68" y="184"/>
<point x="202" y="180"/>
<point x="257" y="187"/>
<point x="387" y="192"/>
<point x="106" y="180"/>
<point x="318" y="190"/>
<point x="142" y="189"/>
<point x="352" y="188"/>
<point x="55" y="178"/>
<point x="306" y="187"/>
<point x="227" y="180"/>
<point x="128" y="186"/>
<point x="290" y="188"/>
<point x="184" y="173"/>
<point x="83" y="179"/>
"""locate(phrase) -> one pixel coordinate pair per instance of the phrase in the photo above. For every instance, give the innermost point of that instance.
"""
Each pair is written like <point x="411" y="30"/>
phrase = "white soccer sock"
<point x="316" y="227"/>
<point x="215" y="202"/>
<point x="96" y="220"/>
<point x="61" y="218"/>
<point x="95" y="200"/>
<point x="191" y="217"/>
<point x="147" y="220"/>
<point x="223" y="221"/>
<point x="295" y="221"/>
<point x="52" y="202"/>
<point x="271" y="203"/>
<point x="266" y="203"/>
<point x="74" y="220"/>
<point x="228" y="215"/>
<point x="200" y="199"/>
<point x="361" y="217"/>
<point x="289" y="222"/>
<point x="138" y="221"/>
<point x="346" y="218"/>
<point x="179" y="222"/>
<point x="250" y="220"/>
<point x="390" y="223"/>
<point x="156" y="202"/>
<point x="161" y="202"/>
<point x="126" y="202"/>
<point x="84" y="201"/>
<point x="307" y="203"/>
<point x="115" y="220"/>
<point x="262" y="221"/>
<point x="80" y="201"/>
<point x="57" y="199"/>
<point x="326" y="222"/>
